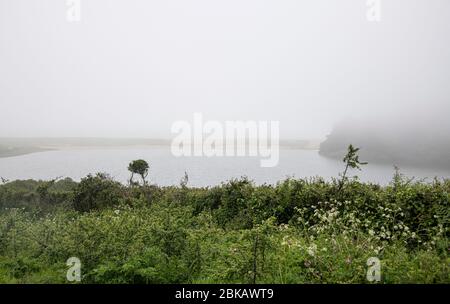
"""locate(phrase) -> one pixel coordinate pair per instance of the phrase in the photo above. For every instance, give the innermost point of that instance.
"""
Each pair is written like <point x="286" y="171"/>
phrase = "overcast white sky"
<point x="133" y="67"/>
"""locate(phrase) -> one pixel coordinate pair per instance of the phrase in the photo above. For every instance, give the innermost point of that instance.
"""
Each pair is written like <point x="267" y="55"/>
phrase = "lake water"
<point x="166" y="169"/>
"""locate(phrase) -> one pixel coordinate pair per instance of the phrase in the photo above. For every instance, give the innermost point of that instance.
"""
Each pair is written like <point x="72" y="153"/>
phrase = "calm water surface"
<point x="165" y="169"/>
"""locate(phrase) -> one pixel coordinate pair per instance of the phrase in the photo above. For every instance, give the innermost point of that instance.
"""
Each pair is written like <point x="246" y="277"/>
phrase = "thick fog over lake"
<point x="168" y="142"/>
<point x="130" y="68"/>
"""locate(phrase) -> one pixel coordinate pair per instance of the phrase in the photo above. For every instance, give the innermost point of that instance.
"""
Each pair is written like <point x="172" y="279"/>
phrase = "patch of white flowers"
<point x="383" y="224"/>
<point x="312" y="249"/>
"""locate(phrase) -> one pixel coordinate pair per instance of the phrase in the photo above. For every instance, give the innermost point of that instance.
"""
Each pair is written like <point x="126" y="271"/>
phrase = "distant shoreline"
<point x="19" y="151"/>
<point x="12" y="147"/>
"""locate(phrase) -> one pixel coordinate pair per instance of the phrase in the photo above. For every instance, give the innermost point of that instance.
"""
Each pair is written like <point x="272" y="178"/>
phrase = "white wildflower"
<point x="312" y="250"/>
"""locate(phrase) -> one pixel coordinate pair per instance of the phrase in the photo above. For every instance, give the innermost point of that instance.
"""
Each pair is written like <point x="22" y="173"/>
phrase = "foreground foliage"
<point x="298" y="231"/>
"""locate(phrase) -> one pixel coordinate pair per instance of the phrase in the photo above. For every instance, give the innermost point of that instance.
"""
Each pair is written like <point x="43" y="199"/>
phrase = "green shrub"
<point x="96" y="192"/>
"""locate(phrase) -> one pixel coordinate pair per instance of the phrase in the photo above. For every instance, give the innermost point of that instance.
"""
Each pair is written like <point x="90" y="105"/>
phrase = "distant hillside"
<point x="414" y="145"/>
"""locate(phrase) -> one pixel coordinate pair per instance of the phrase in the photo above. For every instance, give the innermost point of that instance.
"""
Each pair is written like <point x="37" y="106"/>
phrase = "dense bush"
<point x="33" y="195"/>
<point x="96" y="192"/>
<point x="297" y="231"/>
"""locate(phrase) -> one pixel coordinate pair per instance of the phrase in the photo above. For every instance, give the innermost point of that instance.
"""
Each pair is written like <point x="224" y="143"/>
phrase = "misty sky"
<point x="130" y="68"/>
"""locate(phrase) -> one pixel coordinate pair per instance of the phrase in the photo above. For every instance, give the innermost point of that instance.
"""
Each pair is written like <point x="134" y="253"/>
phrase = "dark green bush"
<point x="97" y="192"/>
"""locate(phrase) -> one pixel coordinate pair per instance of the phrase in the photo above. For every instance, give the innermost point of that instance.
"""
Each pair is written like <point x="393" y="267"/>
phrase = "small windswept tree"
<point x="139" y="167"/>
<point x="351" y="160"/>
